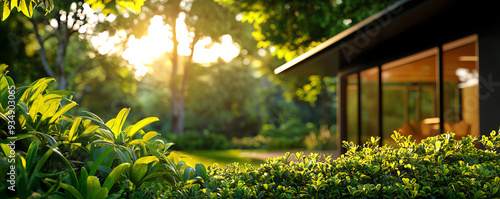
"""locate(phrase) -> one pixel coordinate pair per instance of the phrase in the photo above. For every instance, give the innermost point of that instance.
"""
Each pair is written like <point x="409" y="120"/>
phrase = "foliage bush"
<point x="325" y="139"/>
<point x="438" y="167"/>
<point x="191" y="140"/>
<point x="257" y="142"/>
<point x="57" y="155"/>
<point x="290" y="135"/>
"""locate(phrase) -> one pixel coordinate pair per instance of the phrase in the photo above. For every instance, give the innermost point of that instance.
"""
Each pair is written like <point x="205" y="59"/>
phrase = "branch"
<point x="43" y="56"/>
<point x="196" y="38"/>
<point x="71" y="32"/>
<point x="77" y="70"/>
<point x="48" y="37"/>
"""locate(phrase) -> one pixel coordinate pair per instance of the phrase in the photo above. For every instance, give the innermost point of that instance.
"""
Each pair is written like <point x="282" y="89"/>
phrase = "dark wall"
<point x="489" y="78"/>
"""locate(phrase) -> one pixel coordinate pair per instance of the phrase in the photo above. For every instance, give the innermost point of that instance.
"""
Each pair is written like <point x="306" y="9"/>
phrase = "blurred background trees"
<point x="218" y="85"/>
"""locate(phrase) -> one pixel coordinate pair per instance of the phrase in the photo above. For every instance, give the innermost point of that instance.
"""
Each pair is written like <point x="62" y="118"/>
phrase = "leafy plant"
<point x="206" y="140"/>
<point x="438" y="167"/>
<point x="63" y="156"/>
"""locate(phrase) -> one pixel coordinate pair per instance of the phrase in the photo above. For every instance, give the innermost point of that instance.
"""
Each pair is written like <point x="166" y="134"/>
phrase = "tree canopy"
<point x="293" y="27"/>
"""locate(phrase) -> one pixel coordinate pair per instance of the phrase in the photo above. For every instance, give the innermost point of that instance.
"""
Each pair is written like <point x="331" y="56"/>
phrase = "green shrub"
<point x="257" y="142"/>
<point x="287" y="135"/>
<point x="58" y="155"/>
<point x="192" y="140"/>
<point x="322" y="140"/>
<point x="438" y="167"/>
<point x="291" y="135"/>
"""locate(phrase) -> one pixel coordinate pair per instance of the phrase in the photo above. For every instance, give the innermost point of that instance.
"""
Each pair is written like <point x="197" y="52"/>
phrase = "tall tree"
<point x="62" y="20"/>
<point x="203" y="18"/>
<point x="293" y="26"/>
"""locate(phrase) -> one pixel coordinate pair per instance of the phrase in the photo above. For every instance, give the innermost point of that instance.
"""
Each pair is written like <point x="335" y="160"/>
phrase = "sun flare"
<point x="141" y="52"/>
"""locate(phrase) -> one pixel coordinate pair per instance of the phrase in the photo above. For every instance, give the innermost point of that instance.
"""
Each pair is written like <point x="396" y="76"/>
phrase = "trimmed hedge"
<point x="438" y="167"/>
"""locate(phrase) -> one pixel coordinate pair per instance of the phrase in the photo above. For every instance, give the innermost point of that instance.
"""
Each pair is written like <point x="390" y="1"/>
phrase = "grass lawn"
<point x="221" y="157"/>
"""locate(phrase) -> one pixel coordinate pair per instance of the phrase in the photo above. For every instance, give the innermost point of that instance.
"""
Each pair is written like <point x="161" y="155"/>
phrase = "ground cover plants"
<point x="438" y="167"/>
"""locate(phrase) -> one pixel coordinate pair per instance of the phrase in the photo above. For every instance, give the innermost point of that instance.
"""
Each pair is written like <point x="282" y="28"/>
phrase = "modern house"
<point x="421" y="67"/>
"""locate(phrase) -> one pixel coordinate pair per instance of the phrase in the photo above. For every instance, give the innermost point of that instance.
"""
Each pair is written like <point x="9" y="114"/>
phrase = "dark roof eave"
<point x="334" y="42"/>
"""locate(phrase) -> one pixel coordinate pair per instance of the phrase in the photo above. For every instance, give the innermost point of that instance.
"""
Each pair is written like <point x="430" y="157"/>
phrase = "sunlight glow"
<point x="147" y="48"/>
<point x="228" y="50"/>
<point x="141" y="52"/>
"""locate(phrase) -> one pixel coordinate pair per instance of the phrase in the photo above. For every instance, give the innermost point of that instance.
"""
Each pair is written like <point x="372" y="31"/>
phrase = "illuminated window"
<point x="369" y="104"/>
<point x="460" y="87"/>
<point x="352" y="108"/>
<point x="409" y="96"/>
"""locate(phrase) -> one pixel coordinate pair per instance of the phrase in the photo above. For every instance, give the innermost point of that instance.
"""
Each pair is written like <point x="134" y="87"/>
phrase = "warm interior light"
<point x="468" y="58"/>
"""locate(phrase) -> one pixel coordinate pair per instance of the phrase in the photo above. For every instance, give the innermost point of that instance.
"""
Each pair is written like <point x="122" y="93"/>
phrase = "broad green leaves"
<point x="438" y="167"/>
<point x="24" y="6"/>
<point x="63" y="148"/>
<point x="28" y="6"/>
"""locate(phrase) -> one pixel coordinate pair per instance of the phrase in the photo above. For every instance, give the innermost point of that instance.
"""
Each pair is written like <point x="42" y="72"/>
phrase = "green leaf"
<point x="100" y="159"/>
<point x="114" y="175"/>
<point x="94" y="116"/>
<point x="26" y="7"/>
<point x="6" y="10"/>
<point x="74" y="128"/>
<point x="61" y="93"/>
<point x="187" y="173"/>
<point x="61" y="112"/>
<point x="94" y="189"/>
<point x="35" y="89"/>
<point x="69" y="167"/>
<point x="141" y="124"/>
<point x="174" y="158"/>
<point x="36" y="107"/>
<point x="89" y="130"/>
<point x="117" y="125"/>
<point x="31" y="154"/>
<point x="478" y="194"/>
<point x="6" y="149"/>
<point x="201" y="171"/>
<point x="38" y="167"/>
<point x="69" y="188"/>
<point x="123" y="157"/>
<point x="22" y="177"/>
<point x="4" y="117"/>
<point x="140" y="166"/>
<point x="83" y="178"/>
<point x="149" y="135"/>
<point x="146" y="160"/>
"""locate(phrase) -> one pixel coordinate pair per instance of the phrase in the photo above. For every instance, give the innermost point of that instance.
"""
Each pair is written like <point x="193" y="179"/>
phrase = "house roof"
<point x="386" y="35"/>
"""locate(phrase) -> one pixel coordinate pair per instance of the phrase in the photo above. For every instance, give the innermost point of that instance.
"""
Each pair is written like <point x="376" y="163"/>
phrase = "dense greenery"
<point x="63" y="156"/>
<point x="233" y="99"/>
<point x="49" y="153"/>
<point x="438" y="167"/>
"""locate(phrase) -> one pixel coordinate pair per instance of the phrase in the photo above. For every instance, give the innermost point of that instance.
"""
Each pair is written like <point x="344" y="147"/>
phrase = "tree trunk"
<point x="178" y="117"/>
<point x="177" y="100"/>
<point x="62" y="82"/>
<point x="63" y="34"/>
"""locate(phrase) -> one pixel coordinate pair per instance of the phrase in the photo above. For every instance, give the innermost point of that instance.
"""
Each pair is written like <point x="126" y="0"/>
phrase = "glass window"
<point x="352" y="108"/>
<point x="460" y="87"/>
<point x="409" y="97"/>
<point x="369" y="104"/>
